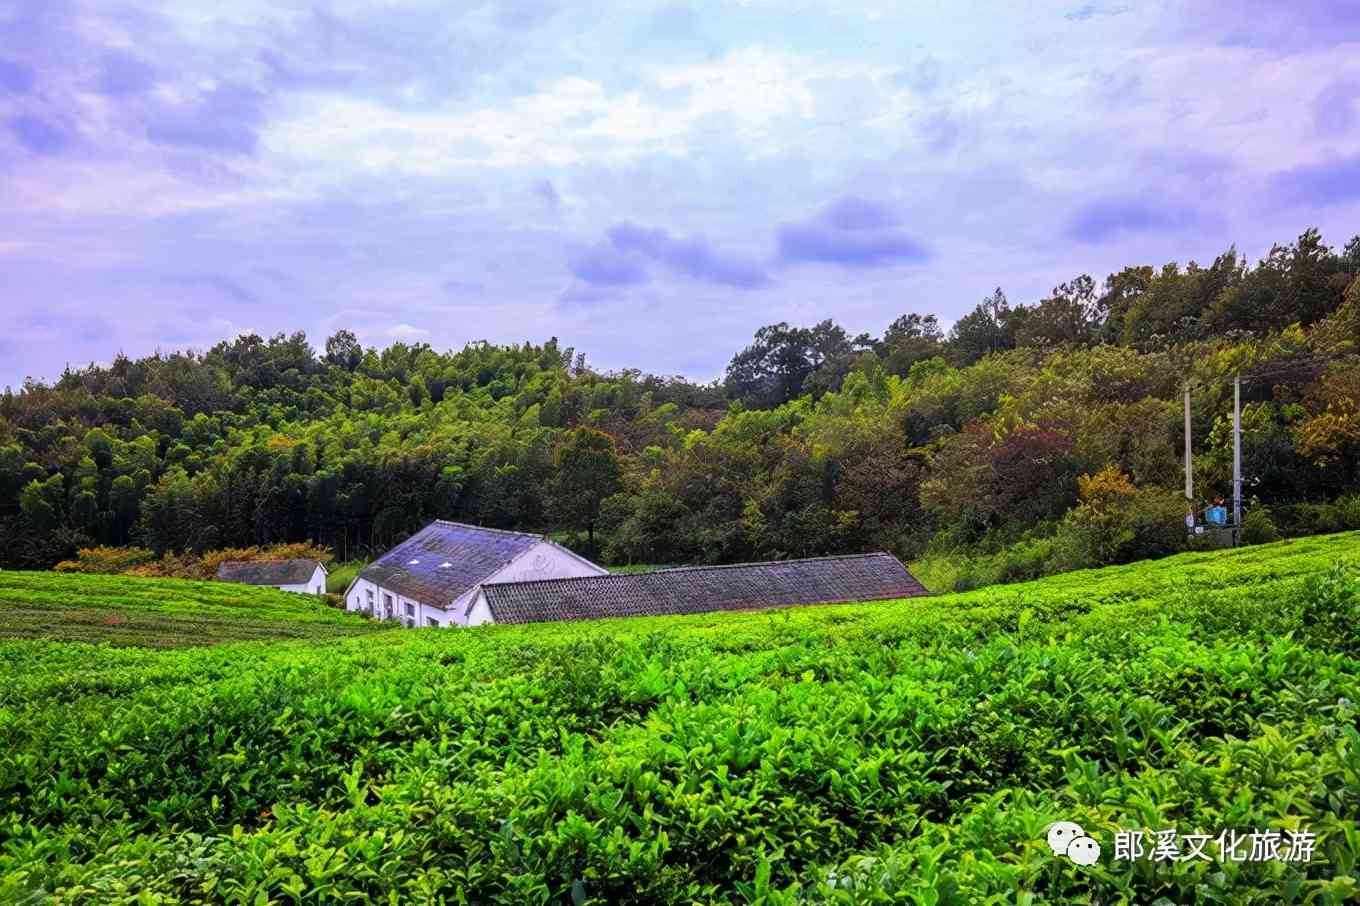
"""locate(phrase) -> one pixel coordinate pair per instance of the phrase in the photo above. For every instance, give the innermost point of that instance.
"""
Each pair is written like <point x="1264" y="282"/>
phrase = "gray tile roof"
<point x="698" y="589"/>
<point x="444" y="559"/>
<point x="267" y="572"/>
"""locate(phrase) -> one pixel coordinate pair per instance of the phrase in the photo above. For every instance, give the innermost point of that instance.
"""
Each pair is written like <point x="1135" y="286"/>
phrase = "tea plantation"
<point x="123" y="610"/>
<point x="900" y="752"/>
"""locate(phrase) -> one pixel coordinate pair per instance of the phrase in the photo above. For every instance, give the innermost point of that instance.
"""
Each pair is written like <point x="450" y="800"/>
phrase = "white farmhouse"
<point x="306" y="576"/>
<point x="431" y="578"/>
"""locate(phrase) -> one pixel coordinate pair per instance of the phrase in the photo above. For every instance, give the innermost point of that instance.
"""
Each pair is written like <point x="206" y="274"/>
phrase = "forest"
<point x="1026" y="439"/>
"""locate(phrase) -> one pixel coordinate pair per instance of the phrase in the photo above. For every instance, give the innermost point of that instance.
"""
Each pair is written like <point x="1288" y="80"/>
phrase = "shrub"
<point x="893" y="752"/>
<point x="104" y="559"/>
<point x="139" y="561"/>
<point x="1330" y="609"/>
<point x="1117" y="522"/>
<point x="1257" y="528"/>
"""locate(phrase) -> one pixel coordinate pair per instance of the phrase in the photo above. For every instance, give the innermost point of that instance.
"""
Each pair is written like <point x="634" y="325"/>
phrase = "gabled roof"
<point x="268" y="572"/>
<point x="445" y="559"/>
<point x="742" y="586"/>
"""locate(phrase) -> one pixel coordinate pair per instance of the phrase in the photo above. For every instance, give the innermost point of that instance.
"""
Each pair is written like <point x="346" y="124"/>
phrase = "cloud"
<point x="122" y="73"/>
<point x="1110" y="218"/>
<point x="850" y="233"/>
<point x="578" y="292"/>
<point x="459" y="286"/>
<point x="15" y="77"/>
<point x="1269" y="24"/>
<point x="605" y="265"/>
<point x="406" y="332"/>
<point x="923" y="77"/>
<point x="227" y="118"/>
<point x="1334" y="109"/>
<point x="523" y="15"/>
<point x="218" y="283"/>
<point x="1323" y="184"/>
<point x="855" y="213"/>
<point x="40" y="136"/>
<point x="547" y="192"/>
<point x="692" y="257"/>
<point x="1094" y="10"/>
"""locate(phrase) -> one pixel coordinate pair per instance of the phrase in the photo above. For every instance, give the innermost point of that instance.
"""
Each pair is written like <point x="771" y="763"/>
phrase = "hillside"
<point x="907" y="752"/>
<point x="1029" y="439"/>
<point x="124" y="610"/>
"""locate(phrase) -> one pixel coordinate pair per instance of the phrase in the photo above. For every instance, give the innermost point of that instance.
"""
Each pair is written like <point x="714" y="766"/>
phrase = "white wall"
<point x="316" y="585"/>
<point x="544" y="560"/>
<point x="481" y="611"/>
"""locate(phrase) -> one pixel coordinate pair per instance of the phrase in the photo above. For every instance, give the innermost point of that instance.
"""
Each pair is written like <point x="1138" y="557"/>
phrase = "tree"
<point x="587" y="471"/>
<point x="1070" y="315"/>
<point x="771" y="371"/>
<point x="910" y="339"/>
<point x="984" y="330"/>
<point x="343" y="350"/>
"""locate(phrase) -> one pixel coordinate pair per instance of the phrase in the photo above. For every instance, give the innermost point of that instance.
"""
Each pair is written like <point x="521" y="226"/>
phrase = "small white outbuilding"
<point x="305" y="576"/>
<point x="431" y="578"/>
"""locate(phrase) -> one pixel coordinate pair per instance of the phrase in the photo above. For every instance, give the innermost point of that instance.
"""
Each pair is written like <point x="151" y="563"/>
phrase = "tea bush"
<point x="897" y="752"/>
<point x="125" y="610"/>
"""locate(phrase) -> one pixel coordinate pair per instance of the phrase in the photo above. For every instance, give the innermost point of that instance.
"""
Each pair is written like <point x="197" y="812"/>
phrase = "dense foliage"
<point x="141" y="561"/>
<point x="161" y="612"/>
<point x="1052" y="427"/>
<point x="899" y="752"/>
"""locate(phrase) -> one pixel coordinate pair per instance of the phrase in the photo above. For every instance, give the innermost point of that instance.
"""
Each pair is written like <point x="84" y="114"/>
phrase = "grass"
<point x="125" y="610"/>
<point x="339" y="575"/>
<point x="895" y="752"/>
<point x="640" y="568"/>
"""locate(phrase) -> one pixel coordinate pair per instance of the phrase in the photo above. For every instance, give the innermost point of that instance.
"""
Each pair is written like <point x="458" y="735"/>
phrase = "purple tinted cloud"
<point x="1327" y="183"/>
<point x="1270" y="24"/>
<point x="15" y="77"/>
<point x="521" y="15"/>
<point x="123" y="73"/>
<point x="851" y="233"/>
<point x="1334" y="108"/>
<point x="1111" y="218"/>
<point x="855" y="213"/>
<point x="922" y="78"/>
<point x="547" y="192"/>
<point x="1094" y="11"/>
<point x="604" y="265"/>
<point x="225" y="119"/>
<point x="40" y="136"/>
<point x="218" y="283"/>
<point x="692" y="257"/>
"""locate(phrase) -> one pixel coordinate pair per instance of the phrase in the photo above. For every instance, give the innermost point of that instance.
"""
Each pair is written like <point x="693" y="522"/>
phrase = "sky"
<point x="649" y="182"/>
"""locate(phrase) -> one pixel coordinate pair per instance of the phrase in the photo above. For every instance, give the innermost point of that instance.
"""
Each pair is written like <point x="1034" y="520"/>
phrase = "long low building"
<point x="695" y="589"/>
<point x="305" y="576"/>
<point x="431" y="578"/>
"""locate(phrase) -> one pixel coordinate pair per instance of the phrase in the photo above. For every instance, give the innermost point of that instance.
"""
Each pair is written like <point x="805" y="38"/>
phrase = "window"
<point x="387" y="604"/>
<point x="432" y="622"/>
<point x="410" y="609"/>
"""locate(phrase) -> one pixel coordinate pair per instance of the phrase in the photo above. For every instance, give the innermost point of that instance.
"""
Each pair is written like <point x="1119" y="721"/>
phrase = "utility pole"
<point x="1189" y="466"/>
<point x="1237" y="459"/>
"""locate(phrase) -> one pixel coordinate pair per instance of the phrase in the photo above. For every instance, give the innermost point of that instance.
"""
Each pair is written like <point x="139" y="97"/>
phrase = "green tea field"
<point x="907" y="752"/>
<point x="124" y="610"/>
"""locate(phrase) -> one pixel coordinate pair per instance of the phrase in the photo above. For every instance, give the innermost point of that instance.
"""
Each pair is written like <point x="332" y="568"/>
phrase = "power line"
<point x="1248" y="375"/>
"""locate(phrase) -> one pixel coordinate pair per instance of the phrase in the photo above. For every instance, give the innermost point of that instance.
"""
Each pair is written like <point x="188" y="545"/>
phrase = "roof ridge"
<point x="695" y="569"/>
<point x="484" y="528"/>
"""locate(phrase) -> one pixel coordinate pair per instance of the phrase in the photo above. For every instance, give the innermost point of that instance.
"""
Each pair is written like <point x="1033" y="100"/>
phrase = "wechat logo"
<point x="1066" y="838"/>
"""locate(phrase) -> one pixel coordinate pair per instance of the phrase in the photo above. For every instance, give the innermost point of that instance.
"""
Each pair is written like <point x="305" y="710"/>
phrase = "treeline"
<point x="1053" y="427"/>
